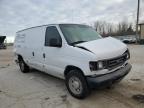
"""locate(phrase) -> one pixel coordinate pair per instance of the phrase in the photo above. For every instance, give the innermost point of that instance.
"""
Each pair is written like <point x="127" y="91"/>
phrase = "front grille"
<point x="118" y="61"/>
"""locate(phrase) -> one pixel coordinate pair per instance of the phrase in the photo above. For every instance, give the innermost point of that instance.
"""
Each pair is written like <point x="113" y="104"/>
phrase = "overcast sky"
<point x="19" y="14"/>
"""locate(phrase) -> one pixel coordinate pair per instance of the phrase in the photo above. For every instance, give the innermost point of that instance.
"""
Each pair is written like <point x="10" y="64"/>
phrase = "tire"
<point x="23" y="66"/>
<point x="77" y="84"/>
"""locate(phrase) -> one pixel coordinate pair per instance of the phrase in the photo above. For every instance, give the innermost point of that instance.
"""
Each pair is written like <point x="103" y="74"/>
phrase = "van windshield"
<point x="75" y="33"/>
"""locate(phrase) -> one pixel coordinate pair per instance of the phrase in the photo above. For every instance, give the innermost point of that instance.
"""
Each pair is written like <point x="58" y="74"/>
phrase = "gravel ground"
<point x="39" y="90"/>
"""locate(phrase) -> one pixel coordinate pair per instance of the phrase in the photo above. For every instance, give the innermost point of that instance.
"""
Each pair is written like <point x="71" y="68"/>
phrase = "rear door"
<point x="52" y="55"/>
<point x="34" y="47"/>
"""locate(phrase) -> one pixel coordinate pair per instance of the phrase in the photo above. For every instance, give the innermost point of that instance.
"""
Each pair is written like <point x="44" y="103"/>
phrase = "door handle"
<point x="33" y="53"/>
<point x="44" y="55"/>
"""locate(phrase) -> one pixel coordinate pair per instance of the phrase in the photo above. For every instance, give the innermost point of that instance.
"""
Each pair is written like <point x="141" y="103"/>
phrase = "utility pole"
<point x="137" y="23"/>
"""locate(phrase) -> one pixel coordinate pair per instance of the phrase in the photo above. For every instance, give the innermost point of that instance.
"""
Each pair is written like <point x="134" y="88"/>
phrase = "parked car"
<point x="2" y="42"/>
<point x="127" y="38"/>
<point x="73" y="52"/>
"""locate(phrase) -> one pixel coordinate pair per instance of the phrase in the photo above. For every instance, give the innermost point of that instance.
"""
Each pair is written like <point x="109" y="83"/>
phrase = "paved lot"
<point x="39" y="90"/>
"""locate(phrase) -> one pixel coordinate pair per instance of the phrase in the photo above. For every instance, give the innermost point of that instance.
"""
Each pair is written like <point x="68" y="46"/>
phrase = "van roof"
<point x="44" y="25"/>
<point x="35" y="27"/>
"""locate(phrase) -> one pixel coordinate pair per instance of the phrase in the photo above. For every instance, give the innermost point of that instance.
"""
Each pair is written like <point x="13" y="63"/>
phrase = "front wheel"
<point x="77" y="84"/>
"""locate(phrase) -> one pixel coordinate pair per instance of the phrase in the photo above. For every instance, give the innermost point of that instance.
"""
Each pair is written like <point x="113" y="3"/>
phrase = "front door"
<point x="52" y="55"/>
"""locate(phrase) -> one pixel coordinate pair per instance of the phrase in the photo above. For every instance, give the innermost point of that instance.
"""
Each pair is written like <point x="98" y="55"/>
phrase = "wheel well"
<point x="20" y="57"/>
<point x="68" y="68"/>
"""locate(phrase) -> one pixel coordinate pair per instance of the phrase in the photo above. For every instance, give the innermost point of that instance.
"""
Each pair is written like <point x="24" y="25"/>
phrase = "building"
<point x="141" y="30"/>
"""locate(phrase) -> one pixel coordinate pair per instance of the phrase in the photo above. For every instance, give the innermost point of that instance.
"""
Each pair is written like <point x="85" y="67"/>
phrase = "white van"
<point x="74" y="52"/>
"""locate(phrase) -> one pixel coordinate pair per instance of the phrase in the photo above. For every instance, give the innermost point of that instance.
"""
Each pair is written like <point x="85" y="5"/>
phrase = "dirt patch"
<point x="47" y="98"/>
<point x="64" y="97"/>
<point x="134" y="79"/>
<point x="3" y="67"/>
<point x="139" y="98"/>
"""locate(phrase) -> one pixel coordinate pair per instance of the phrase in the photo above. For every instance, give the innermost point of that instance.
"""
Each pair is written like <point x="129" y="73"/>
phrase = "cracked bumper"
<point x="109" y="78"/>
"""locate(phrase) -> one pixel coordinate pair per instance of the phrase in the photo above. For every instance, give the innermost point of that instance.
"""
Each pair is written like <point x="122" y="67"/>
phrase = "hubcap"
<point x="75" y="85"/>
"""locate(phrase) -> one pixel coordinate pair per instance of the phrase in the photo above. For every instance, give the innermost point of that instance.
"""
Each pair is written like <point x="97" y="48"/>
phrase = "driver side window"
<point x="52" y="33"/>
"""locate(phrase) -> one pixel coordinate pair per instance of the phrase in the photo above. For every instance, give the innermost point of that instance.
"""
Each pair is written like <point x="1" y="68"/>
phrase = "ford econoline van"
<point x="73" y="52"/>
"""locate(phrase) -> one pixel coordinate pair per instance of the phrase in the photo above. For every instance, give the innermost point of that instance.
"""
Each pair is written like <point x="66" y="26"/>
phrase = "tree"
<point x="110" y="29"/>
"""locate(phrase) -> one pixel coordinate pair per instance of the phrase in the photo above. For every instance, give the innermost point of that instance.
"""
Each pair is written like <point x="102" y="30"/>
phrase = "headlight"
<point x="127" y="54"/>
<point x="96" y="65"/>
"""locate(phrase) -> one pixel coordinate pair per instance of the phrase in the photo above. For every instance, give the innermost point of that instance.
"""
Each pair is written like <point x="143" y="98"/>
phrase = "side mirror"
<point x="55" y="42"/>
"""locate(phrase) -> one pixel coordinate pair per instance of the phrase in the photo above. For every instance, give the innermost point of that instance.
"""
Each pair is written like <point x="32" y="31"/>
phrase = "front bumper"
<point x="110" y="78"/>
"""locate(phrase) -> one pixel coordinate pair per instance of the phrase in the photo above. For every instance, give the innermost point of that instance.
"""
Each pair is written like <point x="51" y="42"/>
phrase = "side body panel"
<point x="29" y="44"/>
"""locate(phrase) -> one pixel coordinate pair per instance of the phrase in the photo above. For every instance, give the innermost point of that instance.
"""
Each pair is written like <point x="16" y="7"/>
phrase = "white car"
<point x="73" y="52"/>
<point x="129" y="39"/>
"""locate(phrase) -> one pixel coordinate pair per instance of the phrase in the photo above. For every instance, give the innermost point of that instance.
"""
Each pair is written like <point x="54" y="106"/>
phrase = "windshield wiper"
<point x="77" y="42"/>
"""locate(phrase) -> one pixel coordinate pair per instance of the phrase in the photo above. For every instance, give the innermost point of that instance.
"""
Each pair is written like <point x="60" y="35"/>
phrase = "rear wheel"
<point x="76" y="84"/>
<point x="23" y="66"/>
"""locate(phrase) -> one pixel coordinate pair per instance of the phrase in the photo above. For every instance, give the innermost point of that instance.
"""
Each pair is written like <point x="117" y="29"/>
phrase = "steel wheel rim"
<point x="22" y="66"/>
<point x="75" y="85"/>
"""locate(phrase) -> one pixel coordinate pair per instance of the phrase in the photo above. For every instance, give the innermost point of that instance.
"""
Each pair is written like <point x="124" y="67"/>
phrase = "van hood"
<point x="104" y="48"/>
